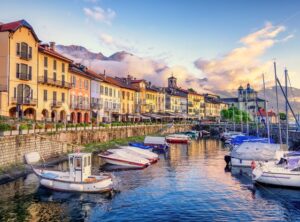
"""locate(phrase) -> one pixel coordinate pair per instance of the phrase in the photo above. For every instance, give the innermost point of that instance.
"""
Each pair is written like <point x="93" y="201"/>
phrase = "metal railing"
<point x="54" y="82"/>
<point x="80" y="106"/>
<point x="56" y="104"/>
<point x="23" y="101"/>
<point x="24" y="76"/>
<point x="25" y="56"/>
<point x="96" y="106"/>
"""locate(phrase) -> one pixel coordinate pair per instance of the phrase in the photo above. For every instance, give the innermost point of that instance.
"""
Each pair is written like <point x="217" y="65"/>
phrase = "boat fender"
<point x="227" y="159"/>
<point x="253" y="165"/>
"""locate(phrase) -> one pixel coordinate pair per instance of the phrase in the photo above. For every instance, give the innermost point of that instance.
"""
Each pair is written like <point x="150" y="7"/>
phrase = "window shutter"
<point x="30" y="72"/>
<point x="17" y="70"/>
<point x="30" y="53"/>
<point x="15" y="92"/>
<point x="18" y="49"/>
<point x="31" y="93"/>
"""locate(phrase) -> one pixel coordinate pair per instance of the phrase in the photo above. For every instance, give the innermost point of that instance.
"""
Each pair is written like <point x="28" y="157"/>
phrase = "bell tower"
<point x="172" y="82"/>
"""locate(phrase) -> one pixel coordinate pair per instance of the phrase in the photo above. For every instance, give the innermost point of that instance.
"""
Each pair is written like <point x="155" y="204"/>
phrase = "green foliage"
<point x="236" y="115"/>
<point x="282" y="116"/>
<point x="5" y="127"/>
<point x="23" y="127"/>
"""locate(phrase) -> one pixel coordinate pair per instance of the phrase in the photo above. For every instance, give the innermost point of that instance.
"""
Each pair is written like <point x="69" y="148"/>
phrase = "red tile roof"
<point x="262" y="112"/>
<point x="14" y="26"/>
<point x="47" y="50"/>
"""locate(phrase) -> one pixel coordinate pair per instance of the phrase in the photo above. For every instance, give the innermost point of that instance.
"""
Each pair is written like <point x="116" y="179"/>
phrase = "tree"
<point x="282" y="116"/>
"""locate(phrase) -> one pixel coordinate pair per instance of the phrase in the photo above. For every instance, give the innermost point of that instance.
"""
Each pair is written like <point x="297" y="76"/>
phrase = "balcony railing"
<point x="24" y="76"/>
<point x="25" y="56"/>
<point x="54" y="82"/>
<point x="96" y="106"/>
<point x="23" y="101"/>
<point x="80" y="106"/>
<point x="56" y="104"/>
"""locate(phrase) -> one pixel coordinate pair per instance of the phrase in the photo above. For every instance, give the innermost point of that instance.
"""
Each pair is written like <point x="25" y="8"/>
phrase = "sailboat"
<point x="286" y="171"/>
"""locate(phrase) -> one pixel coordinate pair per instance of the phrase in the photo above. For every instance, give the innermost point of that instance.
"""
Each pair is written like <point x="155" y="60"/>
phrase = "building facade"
<point x="18" y="70"/>
<point x="53" y="85"/>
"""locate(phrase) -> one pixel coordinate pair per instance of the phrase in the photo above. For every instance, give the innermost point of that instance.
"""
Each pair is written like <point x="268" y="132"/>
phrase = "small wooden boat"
<point x="158" y="143"/>
<point x="77" y="179"/>
<point x="178" y="138"/>
<point x="152" y="157"/>
<point x="122" y="157"/>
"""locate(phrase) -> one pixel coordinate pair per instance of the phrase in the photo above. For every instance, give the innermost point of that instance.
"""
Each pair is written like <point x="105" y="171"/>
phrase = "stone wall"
<point x="49" y="145"/>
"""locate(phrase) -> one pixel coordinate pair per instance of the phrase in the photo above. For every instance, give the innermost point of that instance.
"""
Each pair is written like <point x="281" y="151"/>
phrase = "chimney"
<point x="52" y="46"/>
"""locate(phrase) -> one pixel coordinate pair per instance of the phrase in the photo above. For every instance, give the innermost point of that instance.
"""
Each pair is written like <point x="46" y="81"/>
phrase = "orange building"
<point x="79" y="94"/>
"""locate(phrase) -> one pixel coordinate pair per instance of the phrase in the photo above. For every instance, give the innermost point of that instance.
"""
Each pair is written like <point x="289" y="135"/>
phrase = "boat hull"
<point x="97" y="187"/>
<point x="177" y="140"/>
<point x="277" y="179"/>
<point x="240" y="163"/>
<point x="123" y="163"/>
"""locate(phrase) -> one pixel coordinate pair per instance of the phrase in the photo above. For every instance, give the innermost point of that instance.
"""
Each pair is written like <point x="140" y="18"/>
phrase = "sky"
<point x="211" y="43"/>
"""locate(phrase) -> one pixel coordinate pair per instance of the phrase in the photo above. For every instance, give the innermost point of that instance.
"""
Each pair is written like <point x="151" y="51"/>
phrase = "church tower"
<point x="172" y="82"/>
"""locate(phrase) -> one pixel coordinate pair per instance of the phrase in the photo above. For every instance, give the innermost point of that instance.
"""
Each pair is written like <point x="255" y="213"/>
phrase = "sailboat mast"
<point x="277" y="105"/>
<point x="266" y="103"/>
<point x="286" y="107"/>
<point x="247" y="111"/>
<point x="242" y="125"/>
<point x="256" y="120"/>
<point x="233" y="118"/>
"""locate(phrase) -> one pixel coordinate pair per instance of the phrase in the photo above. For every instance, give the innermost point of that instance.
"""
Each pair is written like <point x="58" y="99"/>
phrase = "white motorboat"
<point x="178" y="138"/>
<point x="152" y="157"/>
<point x="285" y="172"/>
<point x="122" y="157"/>
<point x="244" y="154"/>
<point x="77" y="179"/>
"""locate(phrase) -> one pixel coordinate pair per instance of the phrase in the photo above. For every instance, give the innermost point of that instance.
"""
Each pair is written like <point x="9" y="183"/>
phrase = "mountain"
<point x="81" y="52"/>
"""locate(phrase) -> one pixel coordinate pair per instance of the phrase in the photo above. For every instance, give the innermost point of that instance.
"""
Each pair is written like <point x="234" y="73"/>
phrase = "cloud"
<point x="100" y="15"/>
<point x="242" y="64"/>
<point x="116" y="44"/>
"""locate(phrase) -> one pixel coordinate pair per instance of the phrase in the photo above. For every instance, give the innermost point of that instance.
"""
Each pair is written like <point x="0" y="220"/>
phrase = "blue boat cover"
<point x="139" y="145"/>
<point x="50" y="175"/>
<point x="241" y="139"/>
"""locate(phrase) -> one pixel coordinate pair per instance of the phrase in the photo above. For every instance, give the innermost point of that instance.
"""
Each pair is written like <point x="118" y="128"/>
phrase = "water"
<point x="187" y="184"/>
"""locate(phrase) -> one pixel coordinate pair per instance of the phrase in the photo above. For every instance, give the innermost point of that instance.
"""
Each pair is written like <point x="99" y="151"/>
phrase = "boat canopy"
<point x="255" y="151"/>
<point x="241" y="139"/>
<point x="155" y="140"/>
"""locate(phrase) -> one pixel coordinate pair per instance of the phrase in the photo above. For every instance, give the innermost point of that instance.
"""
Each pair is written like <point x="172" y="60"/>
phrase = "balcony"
<point x="190" y="105"/>
<point x="56" y="104"/>
<point x="96" y="106"/>
<point x="197" y="100"/>
<point x="25" y="56"/>
<point x="80" y="106"/>
<point x="23" y="101"/>
<point x="54" y="82"/>
<point x="24" y="76"/>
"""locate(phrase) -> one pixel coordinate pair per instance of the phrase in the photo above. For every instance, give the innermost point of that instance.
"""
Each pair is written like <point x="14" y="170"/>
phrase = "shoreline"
<point x="14" y="172"/>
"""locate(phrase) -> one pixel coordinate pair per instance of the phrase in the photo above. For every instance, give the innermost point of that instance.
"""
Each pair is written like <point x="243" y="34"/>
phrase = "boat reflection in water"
<point x="189" y="183"/>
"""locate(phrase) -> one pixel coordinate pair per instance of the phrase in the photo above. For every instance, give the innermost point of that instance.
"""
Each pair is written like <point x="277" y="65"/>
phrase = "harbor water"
<point x="189" y="183"/>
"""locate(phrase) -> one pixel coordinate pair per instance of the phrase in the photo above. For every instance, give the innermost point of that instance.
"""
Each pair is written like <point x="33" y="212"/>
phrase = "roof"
<point x="262" y="112"/>
<point x="14" y="26"/>
<point x="47" y="50"/>
<point x="229" y="100"/>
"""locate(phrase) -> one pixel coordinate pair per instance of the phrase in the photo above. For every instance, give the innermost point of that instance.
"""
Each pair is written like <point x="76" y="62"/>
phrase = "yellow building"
<point x="53" y="84"/>
<point x="151" y="100"/>
<point x="110" y="97"/>
<point x="194" y="103"/>
<point x="18" y="69"/>
<point x="173" y="103"/>
<point x="213" y="106"/>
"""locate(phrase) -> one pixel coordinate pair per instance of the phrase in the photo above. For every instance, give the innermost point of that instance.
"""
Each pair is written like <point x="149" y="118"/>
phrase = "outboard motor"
<point x="227" y="159"/>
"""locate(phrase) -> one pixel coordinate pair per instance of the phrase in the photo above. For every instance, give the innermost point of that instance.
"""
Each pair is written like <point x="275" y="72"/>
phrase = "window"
<point x="86" y="84"/>
<point x="54" y="76"/>
<point x="15" y="92"/>
<point x="101" y="89"/>
<point x="54" y="96"/>
<point x="63" y="97"/>
<point x="123" y="95"/>
<point x="110" y="92"/>
<point x="63" y="67"/>
<point x="54" y="64"/>
<point x="74" y="81"/>
<point x="24" y="51"/>
<point x="45" y="61"/>
<point x="45" y="75"/>
<point x="106" y="91"/>
<point x="63" y="79"/>
<point x="45" y="95"/>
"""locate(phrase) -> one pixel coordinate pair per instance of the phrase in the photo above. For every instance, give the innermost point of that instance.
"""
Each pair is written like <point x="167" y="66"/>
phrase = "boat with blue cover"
<point x="140" y="145"/>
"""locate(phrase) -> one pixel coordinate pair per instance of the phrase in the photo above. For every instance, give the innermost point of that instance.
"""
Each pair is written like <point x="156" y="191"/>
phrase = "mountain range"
<point x="80" y="53"/>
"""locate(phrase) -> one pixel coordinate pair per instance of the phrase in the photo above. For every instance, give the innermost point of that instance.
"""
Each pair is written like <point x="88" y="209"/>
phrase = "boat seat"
<point x="50" y="175"/>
